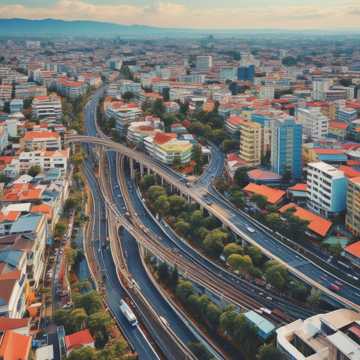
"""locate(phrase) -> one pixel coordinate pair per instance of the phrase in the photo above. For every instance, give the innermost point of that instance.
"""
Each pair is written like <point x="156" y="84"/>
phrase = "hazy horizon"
<point x="205" y="14"/>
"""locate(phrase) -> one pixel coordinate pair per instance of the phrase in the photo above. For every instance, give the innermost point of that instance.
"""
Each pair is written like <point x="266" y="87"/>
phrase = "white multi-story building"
<point x="204" y="63"/>
<point x="123" y="114"/>
<point x="331" y="336"/>
<point x="29" y="90"/>
<point x="46" y="160"/>
<point x="327" y="187"/>
<point x="314" y="123"/>
<point x="4" y="138"/>
<point x="320" y="87"/>
<point x="47" y="107"/>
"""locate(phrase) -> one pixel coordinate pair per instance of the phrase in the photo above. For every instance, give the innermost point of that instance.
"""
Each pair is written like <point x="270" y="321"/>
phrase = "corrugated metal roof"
<point x="263" y="324"/>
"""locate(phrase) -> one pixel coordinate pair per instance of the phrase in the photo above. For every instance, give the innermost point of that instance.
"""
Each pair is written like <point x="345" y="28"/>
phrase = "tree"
<point x="227" y="321"/>
<point x="197" y="157"/>
<point x="229" y="145"/>
<point x="34" y="170"/>
<point x="158" y="108"/>
<point x="245" y="336"/>
<point x="177" y="162"/>
<point x="273" y="219"/>
<point x="314" y="298"/>
<point x="155" y="191"/>
<point x="162" y="205"/>
<point x="269" y="352"/>
<point x="197" y="219"/>
<point x="184" y="289"/>
<point x="99" y="324"/>
<point x="232" y="248"/>
<point x="240" y="177"/>
<point x="255" y="254"/>
<point x="163" y="273"/>
<point x="298" y="290"/>
<point x="78" y="317"/>
<point x="276" y="275"/>
<point x="174" y="277"/>
<point x="84" y="353"/>
<point x="336" y="249"/>
<point x="147" y="181"/>
<point x="212" y="314"/>
<point x="90" y="301"/>
<point x="214" y="242"/>
<point x="182" y="228"/>
<point x="60" y="229"/>
<point x="239" y="262"/>
<point x="259" y="200"/>
<point x="238" y="199"/>
<point x="177" y="204"/>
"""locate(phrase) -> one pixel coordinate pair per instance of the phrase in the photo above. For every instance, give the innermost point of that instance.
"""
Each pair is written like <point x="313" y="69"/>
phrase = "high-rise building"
<point x="246" y="72"/>
<point x="326" y="186"/>
<point x="353" y="206"/>
<point x="251" y="142"/>
<point x="315" y="124"/>
<point x="204" y="63"/>
<point x="320" y="87"/>
<point x="286" y="143"/>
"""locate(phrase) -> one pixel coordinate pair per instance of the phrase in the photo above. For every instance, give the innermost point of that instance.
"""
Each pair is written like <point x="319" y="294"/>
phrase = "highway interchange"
<point x="200" y="191"/>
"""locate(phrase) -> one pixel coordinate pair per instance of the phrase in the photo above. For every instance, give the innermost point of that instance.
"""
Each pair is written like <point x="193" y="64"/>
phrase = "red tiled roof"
<point x="44" y="209"/>
<point x="329" y="151"/>
<point x="31" y="135"/>
<point x="259" y="174"/>
<point x="11" y="323"/>
<point x="338" y="125"/>
<point x="317" y="224"/>
<point x="22" y="192"/>
<point x="10" y="216"/>
<point x="15" y="346"/>
<point x="272" y="195"/>
<point x="349" y="171"/>
<point x="354" y="249"/>
<point x="235" y="120"/>
<point x="162" y="138"/>
<point x="78" y="339"/>
<point x="298" y="187"/>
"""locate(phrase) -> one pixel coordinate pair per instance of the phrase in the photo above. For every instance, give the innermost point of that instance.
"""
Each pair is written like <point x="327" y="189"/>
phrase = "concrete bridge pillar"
<point x="132" y="169"/>
<point x="141" y="169"/>
<point x="162" y="181"/>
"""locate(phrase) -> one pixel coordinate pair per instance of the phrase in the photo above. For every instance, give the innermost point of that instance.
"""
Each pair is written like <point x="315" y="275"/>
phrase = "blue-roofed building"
<point x="246" y="73"/>
<point x="11" y="257"/>
<point x="265" y="328"/>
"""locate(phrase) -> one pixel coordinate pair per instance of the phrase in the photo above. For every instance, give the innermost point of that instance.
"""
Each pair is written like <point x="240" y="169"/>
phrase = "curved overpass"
<point x="295" y="262"/>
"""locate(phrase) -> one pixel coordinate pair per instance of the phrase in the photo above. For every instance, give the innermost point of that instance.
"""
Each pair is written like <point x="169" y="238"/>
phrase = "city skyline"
<point x="230" y="14"/>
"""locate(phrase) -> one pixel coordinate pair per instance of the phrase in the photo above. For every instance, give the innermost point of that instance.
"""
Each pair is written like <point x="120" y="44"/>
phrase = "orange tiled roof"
<point x="338" y="125"/>
<point x="329" y="151"/>
<point x="162" y="138"/>
<point x="22" y="192"/>
<point x="10" y="216"/>
<point x="235" y="120"/>
<point x="78" y="339"/>
<point x="15" y="346"/>
<point x="11" y="323"/>
<point x="31" y="135"/>
<point x="272" y="195"/>
<point x="349" y="171"/>
<point x="44" y="209"/>
<point x="317" y="224"/>
<point x="298" y="187"/>
<point x="354" y="249"/>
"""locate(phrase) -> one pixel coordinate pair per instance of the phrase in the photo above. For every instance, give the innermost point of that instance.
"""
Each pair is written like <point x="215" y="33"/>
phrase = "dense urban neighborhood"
<point x="188" y="198"/>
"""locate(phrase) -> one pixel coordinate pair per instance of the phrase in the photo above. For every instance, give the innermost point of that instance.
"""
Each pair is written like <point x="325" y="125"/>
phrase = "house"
<point x="273" y="196"/>
<point x="318" y="226"/>
<point x="47" y="107"/>
<point x="20" y="326"/>
<point x="232" y="163"/>
<point x="78" y="340"/>
<point x="352" y="252"/>
<point x="297" y="192"/>
<point x="41" y="140"/>
<point x="265" y="177"/>
<point x="14" y="346"/>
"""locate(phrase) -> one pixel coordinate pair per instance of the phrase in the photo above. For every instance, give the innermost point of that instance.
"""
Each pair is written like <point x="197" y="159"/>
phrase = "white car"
<point x="250" y="229"/>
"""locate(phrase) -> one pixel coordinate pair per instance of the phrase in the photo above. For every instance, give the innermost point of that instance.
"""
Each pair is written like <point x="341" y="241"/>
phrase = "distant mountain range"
<point x="52" y="27"/>
<point x="96" y="29"/>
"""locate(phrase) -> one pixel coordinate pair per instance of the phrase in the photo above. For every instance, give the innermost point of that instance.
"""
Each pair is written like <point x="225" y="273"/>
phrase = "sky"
<point x="209" y="14"/>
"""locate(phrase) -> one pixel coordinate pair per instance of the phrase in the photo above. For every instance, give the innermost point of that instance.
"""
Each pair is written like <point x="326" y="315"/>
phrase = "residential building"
<point x="5" y="92"/>
<point x="317" y="226"/>
<point x="47" y="107"/>
<point x="70" y="88"/>
<point x="286" y="147"/>
<point x="29" y="90"/>
<point x="272" y="195"/>
<point x="228" y="73"/>
<point x="4" y="137"/>
<point x="352" y="253"/>
<point x="338" y="129"/>
<point x="353" y="206"/>
<point x="331" y="336"/>
<point x="16" y="105"/>
<point x="41" y="140"/>
<point x="77" y="340"/>
<point x="315" y="125"/>
<point x="14" y="346"/>
<point x="267" y="92"/>
<point x="251" y="142"/>
<point x="204" y="63"/>
<point x="232" y="125"/>
<point x="166" y="148"/>
<point x="320" y="87"/>
<point x="346" y="114"/>
<point x="139" y="130"/>
<point x="46" y="160"/>
<point x="326" y="189"/>
<point x="232" y="163"/>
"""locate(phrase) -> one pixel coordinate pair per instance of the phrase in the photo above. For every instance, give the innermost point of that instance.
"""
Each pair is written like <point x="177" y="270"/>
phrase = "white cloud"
<point x="177" y="15"/>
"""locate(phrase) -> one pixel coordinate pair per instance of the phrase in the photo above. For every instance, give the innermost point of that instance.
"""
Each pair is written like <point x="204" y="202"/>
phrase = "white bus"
<point x="128" y="313"/>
